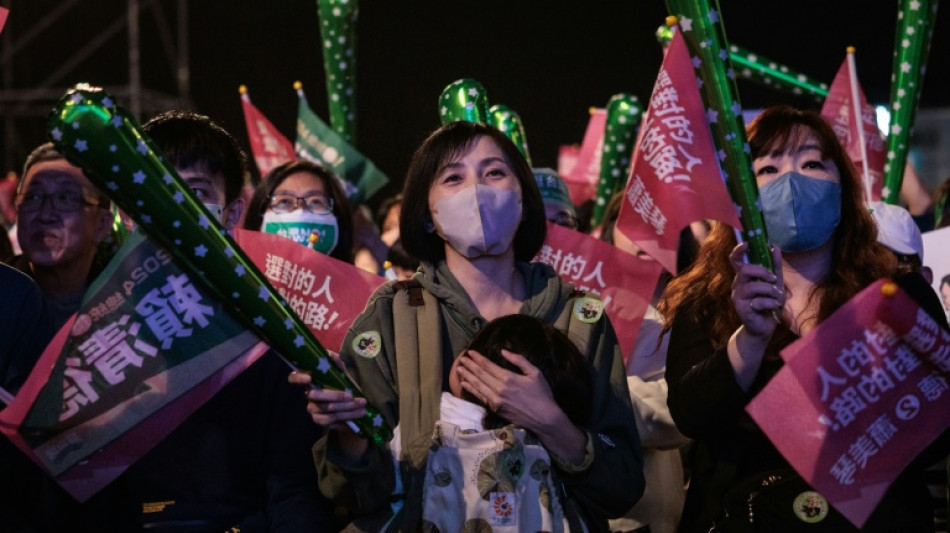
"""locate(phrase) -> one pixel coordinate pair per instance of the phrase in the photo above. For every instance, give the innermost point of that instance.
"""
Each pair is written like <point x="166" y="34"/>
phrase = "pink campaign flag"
<point x="4" y="12"/>
<point x="624" y="282"/>
<point x="269" y="147"/>
<point x="326" y="293"/>
<point x="675" y="178"/>
<point x="839" y="111"/>
<point x="567" y="156"/>
<point x="582" y="179"/>
<point x="859" y="397"/>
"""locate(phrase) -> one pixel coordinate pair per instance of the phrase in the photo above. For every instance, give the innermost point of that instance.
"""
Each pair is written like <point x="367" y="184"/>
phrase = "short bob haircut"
<point x="341" y="208"/>
<point x="444" y="146"/>
<point x="188" y="140"/>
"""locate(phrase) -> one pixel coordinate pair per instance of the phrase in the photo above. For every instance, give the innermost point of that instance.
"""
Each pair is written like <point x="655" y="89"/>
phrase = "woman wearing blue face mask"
<point x="725" y="339"/>
<point x="304" y="202"/>
<point x="473" y="215"/>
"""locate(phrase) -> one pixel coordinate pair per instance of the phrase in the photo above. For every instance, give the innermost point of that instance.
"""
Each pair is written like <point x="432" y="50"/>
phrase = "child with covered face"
<point x="482" y="469"/>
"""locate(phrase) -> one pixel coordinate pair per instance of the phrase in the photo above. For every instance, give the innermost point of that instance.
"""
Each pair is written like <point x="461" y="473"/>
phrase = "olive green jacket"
<point x="607" y="484"/>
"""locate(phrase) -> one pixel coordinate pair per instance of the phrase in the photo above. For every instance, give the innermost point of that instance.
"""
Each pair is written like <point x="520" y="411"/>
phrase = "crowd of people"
<point x="512" y="404"/>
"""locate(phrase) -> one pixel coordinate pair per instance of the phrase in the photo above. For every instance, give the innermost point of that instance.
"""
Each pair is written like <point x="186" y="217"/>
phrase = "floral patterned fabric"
<point x="491" y="481"/>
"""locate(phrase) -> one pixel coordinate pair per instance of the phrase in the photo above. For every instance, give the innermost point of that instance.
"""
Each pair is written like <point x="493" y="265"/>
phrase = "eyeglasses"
<point x="65" y="202"/>
<point x="285" y="203"/>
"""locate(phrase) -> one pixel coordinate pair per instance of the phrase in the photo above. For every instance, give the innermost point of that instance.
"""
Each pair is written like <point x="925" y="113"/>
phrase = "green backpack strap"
<point x="418" y="338"/>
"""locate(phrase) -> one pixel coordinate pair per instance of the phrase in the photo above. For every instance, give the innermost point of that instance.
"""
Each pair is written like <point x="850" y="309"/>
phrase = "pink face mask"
<point x="479" y="220"/>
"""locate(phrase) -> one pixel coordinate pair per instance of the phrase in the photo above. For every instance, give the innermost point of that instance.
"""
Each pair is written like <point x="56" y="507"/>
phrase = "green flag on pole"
<point x="317" y="142"/>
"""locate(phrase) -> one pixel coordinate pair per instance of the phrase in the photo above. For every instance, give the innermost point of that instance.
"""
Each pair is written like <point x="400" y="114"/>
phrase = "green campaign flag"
<point x="317" y="142"/>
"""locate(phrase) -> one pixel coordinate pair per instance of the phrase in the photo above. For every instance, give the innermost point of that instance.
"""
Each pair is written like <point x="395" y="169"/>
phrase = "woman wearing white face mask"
<point x="725" y="340"/>
<point x="473" y="214"/>
<point x="304" y="202"/>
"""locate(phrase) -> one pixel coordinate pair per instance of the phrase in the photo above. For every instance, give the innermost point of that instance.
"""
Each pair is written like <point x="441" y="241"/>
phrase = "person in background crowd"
<point x="401" y="265"/>
<point x="659" y="510"/>
<point x="25" y="330"/>
<point x="241" y="461"/>
<point x="725" y="339"/>
<point x="6" y="247"/>
<point x="373" y="242"/>
<point x="917" y="198"/>
<point x="473" y="270"/>
<point x="387" y="219"/>
<point x="61" y="219"/>
<point x="898" y="232"/>
<point x="304" y="202"/>
<point x="557" y="200"/>
<point x="207" y="158"/>
<point x="941" y="205"/>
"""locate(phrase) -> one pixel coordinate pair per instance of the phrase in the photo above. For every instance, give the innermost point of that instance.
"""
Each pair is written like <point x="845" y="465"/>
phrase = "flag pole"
<point x="859" y="121"/>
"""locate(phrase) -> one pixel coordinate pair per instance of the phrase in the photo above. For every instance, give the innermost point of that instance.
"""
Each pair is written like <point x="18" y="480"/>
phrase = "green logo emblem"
<point x="588" y="309"/>
<point x="810" y="507"/>
<point x="367" y="344"/>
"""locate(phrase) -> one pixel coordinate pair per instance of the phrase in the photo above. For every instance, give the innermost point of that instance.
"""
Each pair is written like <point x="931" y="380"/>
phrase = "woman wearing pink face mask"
<point x="473" y="214"/>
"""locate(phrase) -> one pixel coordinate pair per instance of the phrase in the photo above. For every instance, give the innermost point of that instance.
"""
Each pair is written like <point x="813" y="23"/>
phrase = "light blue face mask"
<point x="801" y="213"/>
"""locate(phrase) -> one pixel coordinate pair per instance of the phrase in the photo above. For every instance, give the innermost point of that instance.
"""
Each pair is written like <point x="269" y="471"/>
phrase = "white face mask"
<point x="479" y="220"/>
<point x="300" y="225"/>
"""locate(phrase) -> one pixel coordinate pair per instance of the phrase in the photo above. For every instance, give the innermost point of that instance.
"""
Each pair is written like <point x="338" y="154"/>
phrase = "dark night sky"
<point x="549" y="60"/>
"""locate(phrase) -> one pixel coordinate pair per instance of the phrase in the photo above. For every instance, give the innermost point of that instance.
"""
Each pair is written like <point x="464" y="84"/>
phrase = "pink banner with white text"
<point x="675" y="178"/>
<point x="860" y="396"/>
<point x="624" y="282"/>
<point x="326" y="293"/>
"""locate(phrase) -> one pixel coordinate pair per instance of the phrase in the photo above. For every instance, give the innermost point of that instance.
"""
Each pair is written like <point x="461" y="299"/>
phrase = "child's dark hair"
<point x="399" y="257"/>
<point x="565" y="368"/>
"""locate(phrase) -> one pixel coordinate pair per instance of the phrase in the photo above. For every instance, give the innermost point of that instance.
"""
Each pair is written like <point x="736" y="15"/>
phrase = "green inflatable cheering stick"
<point x="463" y="99"/>
<point x="107" y="143"/>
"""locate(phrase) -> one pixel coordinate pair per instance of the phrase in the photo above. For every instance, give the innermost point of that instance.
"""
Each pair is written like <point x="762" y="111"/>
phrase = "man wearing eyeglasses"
<point x="61" y="219"/>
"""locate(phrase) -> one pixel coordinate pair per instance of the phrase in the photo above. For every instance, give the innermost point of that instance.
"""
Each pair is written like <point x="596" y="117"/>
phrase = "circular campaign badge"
<point x="367" y="344"/>
<point x="810" y="507"/>
<point x="588" y="309"/>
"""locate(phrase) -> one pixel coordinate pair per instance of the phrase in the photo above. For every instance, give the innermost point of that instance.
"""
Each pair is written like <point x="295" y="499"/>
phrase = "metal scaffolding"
<point x="20" y="107"/>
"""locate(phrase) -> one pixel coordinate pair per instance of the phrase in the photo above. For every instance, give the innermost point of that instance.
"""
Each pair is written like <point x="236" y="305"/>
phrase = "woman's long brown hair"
<point x="857" y="259"/>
